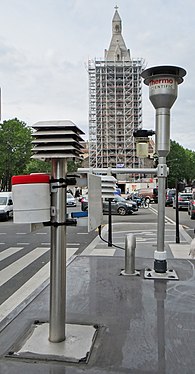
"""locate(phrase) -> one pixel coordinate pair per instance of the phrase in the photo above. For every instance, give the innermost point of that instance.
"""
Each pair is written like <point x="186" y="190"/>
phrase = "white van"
<point x="6" y="205"/>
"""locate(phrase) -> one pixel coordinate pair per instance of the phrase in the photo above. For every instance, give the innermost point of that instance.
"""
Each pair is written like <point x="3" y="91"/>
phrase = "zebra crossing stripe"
<point x="24" y="291"/>
<point x="8" y="252"/>
<point x="13" y="269"/>
<point x="30" y="289"/>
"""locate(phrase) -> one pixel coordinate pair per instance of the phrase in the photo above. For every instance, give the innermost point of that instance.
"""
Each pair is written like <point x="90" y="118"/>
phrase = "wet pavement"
<point x="143" y="326"/>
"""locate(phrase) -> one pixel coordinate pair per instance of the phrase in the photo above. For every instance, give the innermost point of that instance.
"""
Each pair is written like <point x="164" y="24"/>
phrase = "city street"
<point x="24" y="256"/>
<point x="24" y="261"/>
<point x="98" y="296"/>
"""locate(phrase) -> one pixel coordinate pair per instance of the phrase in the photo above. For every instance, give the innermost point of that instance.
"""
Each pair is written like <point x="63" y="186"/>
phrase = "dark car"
<point x="191" y="207"/>
<point x="170" y="194"/>
<point x="118" y="205"/>
<point x="183" y="200"/>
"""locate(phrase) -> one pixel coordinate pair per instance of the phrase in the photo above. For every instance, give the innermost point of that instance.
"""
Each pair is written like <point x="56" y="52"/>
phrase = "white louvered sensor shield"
<point x="108" y="186"/>
<point x="56" y="139"/>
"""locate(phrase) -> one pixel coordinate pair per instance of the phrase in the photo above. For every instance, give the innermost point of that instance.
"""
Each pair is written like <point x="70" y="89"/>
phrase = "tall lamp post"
<point x="163" y="82"/>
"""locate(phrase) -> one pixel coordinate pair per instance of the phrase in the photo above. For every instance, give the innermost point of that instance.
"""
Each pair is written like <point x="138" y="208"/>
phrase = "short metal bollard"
<point x="130" y="245"/>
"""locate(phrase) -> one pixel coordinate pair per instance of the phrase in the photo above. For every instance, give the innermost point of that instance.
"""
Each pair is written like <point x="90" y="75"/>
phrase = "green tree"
<point x="181" y="163"/>
<point x="38" y="166"/>
<point x="15" y="150"/>
<point x="73" y="165"/>
<point x="190" y="167"/>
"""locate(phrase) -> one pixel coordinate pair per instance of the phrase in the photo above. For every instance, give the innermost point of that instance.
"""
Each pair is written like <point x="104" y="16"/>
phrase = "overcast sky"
<point x="45" y="46"/>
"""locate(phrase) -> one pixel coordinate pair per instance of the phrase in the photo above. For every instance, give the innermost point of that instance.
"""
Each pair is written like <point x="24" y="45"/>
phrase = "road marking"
<point x="11" y="270"/>
<point x="9" y="251"/>
<point x="169" y="220"/>
<point x="22" y="243"/>
<point x="70" y="251"/>
<point x="23" y="292"/>
<point x="48" y="243"/>
<point x="28" y="289"/>
<point x="103" y="252"/>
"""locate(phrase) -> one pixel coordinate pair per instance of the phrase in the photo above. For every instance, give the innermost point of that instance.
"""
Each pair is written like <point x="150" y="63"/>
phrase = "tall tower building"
<point x="115" y="104"/>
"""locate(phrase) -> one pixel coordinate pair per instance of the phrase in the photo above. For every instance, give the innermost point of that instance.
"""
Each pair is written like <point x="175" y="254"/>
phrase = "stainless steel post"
<point x="160" y="256"/>
<point x="163" y="83"/>
<point x="58" y="255"/>
<point x="161" y="208"/>
<point x="110" y="222"/>
<point x="177" y="215"/>
<point x="130" y="245"/>
<point x="163" y="148"/>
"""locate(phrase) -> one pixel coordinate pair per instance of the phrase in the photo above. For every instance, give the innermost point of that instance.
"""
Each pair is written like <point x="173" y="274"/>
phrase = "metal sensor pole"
<point x="110" y="222"/>
<point x="65" y="138"/>
<point x="58" y="254"/>
<point x="163" y="82"/>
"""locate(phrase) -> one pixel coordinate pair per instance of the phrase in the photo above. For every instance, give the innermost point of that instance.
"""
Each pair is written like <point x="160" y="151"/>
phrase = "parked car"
<point x="183" y="200"/>
<point x="70" y="200"/>
<point x="6" y="205"/>
<point x="170" y="194"/>
<point x="191" y="207"/>
<point x="118" y="205"/>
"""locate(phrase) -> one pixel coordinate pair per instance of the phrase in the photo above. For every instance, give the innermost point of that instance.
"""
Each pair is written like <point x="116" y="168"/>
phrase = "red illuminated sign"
<point x="161" y="81"/>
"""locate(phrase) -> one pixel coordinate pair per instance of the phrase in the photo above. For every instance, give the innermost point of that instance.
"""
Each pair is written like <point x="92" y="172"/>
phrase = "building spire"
<point x="117" y="50"/>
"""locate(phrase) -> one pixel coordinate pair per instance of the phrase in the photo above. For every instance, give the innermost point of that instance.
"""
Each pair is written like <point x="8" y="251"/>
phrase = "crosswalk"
<point x="11" y="270"/>
<point x="18" y="259"/>
<point x="146" y="243"/>
<point x="31" y="287"/>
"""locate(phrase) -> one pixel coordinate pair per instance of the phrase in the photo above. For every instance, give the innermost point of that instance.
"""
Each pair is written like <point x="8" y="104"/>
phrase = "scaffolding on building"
<point x="115" y="112"/>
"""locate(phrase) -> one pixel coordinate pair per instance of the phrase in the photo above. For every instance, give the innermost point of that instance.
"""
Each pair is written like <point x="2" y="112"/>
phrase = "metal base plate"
<point x="169" y="275"/>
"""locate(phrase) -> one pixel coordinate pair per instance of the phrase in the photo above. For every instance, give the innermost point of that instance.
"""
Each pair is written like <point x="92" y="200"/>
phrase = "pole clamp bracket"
<point x="63" y="182"/>
<point x="67" y="222"/>
<point x="162" y="171"/>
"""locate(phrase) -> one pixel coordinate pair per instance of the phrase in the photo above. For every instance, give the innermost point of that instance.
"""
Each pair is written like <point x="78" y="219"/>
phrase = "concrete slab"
<point x="180" y="250"/>
<point x="146" y="326"/>
<point x="103" y="252"/>
<point x="76" y="347"/>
